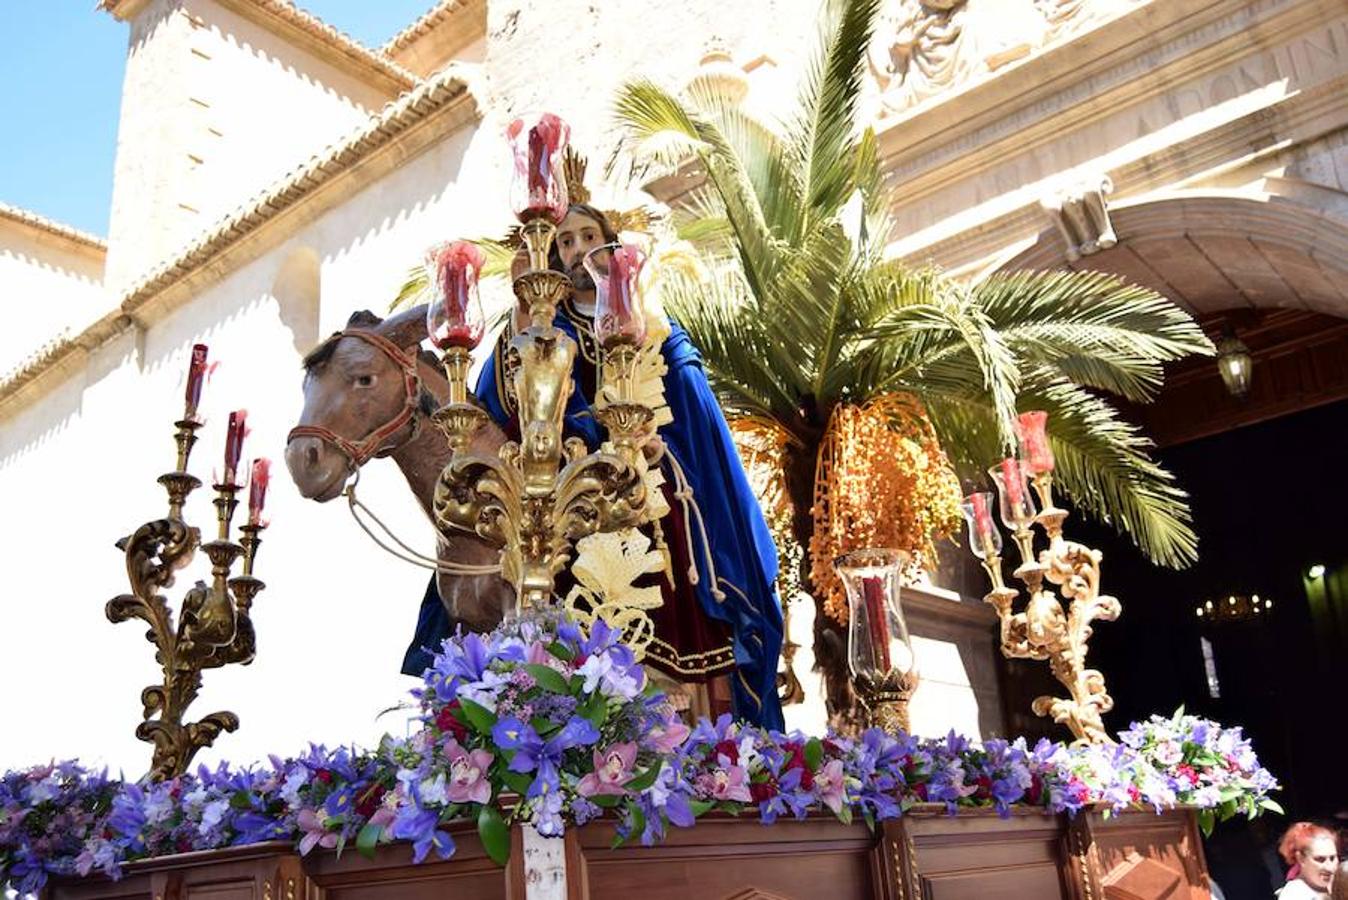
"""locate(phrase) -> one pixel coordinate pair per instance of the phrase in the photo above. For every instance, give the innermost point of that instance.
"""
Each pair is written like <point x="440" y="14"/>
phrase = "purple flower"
<point x="532" y="753"/>
<point x="612" y="770"/>
<point x="468" y="782"/>
<point x="829" y="782"/>
<point x="315" y="833"/>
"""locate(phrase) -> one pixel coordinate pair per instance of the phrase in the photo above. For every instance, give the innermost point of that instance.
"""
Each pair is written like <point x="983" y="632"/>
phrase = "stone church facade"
<point x="273" y="176"/>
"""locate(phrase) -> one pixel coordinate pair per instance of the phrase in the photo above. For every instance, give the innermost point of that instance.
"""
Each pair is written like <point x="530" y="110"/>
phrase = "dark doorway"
<point x="1269" y="503"/>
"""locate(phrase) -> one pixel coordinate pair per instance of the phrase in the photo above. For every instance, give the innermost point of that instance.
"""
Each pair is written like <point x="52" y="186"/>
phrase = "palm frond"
<point x="826" y="128"/>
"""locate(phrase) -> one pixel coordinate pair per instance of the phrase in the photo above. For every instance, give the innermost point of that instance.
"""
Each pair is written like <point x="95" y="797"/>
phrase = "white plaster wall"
<point x="49" y="286"/>
<point x="215" y="108"/>
<point x="337" y="613"/>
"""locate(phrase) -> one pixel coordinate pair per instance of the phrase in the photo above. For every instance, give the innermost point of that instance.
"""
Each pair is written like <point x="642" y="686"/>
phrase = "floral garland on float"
<point x="541" y="724"/>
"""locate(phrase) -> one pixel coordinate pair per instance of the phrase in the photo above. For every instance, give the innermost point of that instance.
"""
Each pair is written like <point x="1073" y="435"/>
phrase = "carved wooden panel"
<point x="985" y="857"/>
<point x="731" y="859"/>
<point x="392" y="875"/>
<point x="1142" y="855"/>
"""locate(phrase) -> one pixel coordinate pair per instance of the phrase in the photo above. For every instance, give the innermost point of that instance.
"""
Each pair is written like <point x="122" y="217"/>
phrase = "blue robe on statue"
<point x="743" y="555"/>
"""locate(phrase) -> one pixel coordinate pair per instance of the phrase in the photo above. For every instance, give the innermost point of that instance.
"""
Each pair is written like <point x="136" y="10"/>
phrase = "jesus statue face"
<point x="576" y="236"/>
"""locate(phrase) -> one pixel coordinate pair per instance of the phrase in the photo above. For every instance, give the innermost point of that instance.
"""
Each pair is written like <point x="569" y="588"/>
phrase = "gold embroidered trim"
<point x="721" y="659"/>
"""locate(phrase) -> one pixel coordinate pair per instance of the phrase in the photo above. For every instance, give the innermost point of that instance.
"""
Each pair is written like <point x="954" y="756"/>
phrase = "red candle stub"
<point x="257" y="489"/>
<point x="454" y="318"/>
<point x="196" y="377"/>
<point x="238" y="429"/>
<point x="1011" y="483"/>
<point x="1034" y="441"/>
<point x="873" y="591"/>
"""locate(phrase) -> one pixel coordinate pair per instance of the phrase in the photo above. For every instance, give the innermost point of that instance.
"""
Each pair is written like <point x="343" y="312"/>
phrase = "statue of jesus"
<point x="720" y="615"/>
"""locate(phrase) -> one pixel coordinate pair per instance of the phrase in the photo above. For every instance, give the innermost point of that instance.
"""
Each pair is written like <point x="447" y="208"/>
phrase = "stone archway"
<point x="1271" y="264"/>
<point x="1283" y="245"/>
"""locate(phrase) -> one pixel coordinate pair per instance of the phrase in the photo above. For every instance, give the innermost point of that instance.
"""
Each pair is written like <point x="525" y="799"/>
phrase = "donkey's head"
<point x="362" y="398"/>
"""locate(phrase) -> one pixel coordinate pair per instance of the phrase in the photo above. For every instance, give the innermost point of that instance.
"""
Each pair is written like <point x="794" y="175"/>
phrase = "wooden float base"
<point x="926" y="855"/>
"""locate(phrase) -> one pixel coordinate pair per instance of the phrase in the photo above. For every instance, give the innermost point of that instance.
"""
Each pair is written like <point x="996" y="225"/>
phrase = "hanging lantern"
<point x="1234" y="363"/>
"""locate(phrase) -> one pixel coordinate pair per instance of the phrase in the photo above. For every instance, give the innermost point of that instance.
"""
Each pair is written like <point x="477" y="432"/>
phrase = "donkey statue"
<point x="369" y="391"/>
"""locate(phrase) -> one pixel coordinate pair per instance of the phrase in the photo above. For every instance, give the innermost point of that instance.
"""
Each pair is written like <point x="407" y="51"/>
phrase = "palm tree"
<point x="802" y="316"/>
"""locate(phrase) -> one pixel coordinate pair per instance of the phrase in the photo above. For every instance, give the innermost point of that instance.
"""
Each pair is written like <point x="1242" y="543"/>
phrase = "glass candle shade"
<point x="454" y="316"/>
<point x="877" y="635"/>
<point x="1035" y="452"/>
<point x="538" y="189"/>
<point x="1013" y="490"/>
<point x="984" y="539"/>
<point x="619" y="317"/>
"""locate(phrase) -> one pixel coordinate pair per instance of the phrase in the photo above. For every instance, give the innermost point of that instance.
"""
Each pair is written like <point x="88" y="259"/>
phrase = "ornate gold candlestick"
<point x="542" y="494"/>
<point x="214" y="627"/>
<point x="1044" y="630"/>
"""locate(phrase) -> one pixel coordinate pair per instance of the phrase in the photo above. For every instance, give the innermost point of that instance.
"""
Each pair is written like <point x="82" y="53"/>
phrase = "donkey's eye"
<point x="364" y="381"/>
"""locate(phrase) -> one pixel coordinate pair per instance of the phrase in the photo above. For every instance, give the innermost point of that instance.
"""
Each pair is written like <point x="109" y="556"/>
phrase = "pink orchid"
<point x="829" y="782"/>
<point x="727" y="783"/>
<point x="467" y="774"/>
<point x="612" y="769"/>
<point x="311" y="823"/>
<point x="667" y="736"/>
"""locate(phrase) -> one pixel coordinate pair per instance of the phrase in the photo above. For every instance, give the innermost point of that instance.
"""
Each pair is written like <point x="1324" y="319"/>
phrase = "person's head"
<point x="1312" y="853"/>
<point x="583" y="229"/>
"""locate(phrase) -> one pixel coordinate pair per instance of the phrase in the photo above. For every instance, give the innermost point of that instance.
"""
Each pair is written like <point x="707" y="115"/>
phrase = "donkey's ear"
<point x="363" y="318"/>
<point x="407" y="329"/>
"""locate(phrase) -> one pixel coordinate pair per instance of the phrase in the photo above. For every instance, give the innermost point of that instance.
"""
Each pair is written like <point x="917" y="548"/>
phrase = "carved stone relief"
<point x="924" y="47"/>
<point x="1081" y="213"/>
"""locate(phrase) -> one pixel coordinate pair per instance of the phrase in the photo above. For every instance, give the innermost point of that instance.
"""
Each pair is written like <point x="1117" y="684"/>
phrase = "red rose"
<point x="324" y="776"/>
<point x="1036" y="792"/>
<point x="730" y="750"/>
<point x="763" y="791"/>
<point x="920" y="791"/>
<point x="445" y="721"/>
<point x="795" y="759"/>
<point x="369" y="800"/>
<point x="984" y="787"/>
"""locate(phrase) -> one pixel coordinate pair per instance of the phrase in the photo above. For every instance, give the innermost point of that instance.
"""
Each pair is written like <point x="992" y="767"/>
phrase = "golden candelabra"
<point x="540" y="495"/>
<point x="1043" y="630"/>
<point x="213" y="629"/>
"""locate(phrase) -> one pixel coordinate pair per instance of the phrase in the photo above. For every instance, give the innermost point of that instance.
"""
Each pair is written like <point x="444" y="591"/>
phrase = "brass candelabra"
<point x="540" y="495"/>
<point x="1044" y="630"/>
<point x="214" y="627"/>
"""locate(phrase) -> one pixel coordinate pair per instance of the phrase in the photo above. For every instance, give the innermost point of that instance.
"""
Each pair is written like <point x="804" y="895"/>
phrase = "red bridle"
<point x="373" y="443"/>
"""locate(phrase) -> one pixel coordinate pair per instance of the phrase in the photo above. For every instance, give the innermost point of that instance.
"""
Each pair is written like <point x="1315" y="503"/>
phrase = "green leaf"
<point x="1272" y="806"/>
<point x="548" y="678"/>
<point x="518" y="782"/>
<point x="544" y="727"/>
<point x="481" y="718"/>
<point x="368" y="839"/>
<point x="494" y="833"/>
<point x="644" y="780"/>
<point x="845" y="814"/>
<point x="240" y="800"/>
<point x="814" y="753"/>
<point x="595" y="709"/>
<point x="607" y="801"/>
<point x="869" y="817"/>
<point x="699" y="807"/>
<point x="561" y="651"/>
<point x="1207" y="820"/>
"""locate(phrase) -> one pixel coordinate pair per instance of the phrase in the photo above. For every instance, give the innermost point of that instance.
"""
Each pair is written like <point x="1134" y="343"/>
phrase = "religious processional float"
<point x="548" y="764"/>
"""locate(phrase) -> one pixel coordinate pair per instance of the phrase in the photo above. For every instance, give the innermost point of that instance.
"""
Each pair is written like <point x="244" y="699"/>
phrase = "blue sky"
<point x="61" y="64"/>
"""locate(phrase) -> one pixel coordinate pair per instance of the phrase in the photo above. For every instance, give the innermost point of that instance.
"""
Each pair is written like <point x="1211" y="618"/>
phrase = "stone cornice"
<point x="403" y="129"/>
<point x="307" y="31"/>
<point x="48" y="227"/>
<point x="429" y="22"/>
